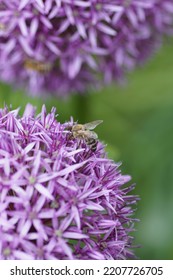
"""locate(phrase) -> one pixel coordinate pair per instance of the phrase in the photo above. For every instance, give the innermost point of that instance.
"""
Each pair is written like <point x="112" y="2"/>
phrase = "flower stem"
<point x="83" y="108"/>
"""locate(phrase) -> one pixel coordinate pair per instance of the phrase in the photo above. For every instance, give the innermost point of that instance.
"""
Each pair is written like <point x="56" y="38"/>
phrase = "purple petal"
<point x="41" y="189"/>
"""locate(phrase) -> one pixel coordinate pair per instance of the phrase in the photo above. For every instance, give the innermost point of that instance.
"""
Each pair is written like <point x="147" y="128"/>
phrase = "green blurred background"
<point x="138" y="130"/>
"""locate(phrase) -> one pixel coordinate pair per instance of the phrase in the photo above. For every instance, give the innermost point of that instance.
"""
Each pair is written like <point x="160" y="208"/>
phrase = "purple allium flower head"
<point x="61" y="46"/>
<point x="58" y="198"/>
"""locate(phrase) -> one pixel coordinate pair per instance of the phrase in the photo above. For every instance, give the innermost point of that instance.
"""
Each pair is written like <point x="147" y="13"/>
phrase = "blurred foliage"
<point x="138" y="130"/>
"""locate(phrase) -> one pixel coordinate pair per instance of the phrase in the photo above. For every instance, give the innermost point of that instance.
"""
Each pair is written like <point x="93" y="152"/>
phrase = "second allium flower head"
<point x="61" y="46"/>
<point x="59" y="199"/>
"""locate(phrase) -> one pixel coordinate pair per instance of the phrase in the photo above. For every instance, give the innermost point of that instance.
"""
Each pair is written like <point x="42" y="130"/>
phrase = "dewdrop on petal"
<point x="58" y="198"/>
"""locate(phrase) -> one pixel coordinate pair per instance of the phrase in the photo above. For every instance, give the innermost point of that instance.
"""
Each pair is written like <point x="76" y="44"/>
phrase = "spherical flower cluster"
<point x="58" y="198"/>
<point x="62" y="46"/>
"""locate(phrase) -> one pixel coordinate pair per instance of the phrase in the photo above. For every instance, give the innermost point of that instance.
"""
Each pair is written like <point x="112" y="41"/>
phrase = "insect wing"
<point x="92" y="125"/>
<point x="92" y="135"/>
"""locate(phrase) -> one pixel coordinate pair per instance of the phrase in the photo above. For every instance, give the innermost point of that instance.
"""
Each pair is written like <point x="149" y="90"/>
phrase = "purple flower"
<point x="59" y="198"/>
<point x="60" y="46"/>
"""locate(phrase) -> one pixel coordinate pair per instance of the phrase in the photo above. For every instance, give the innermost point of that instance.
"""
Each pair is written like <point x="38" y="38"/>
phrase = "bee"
<point x="84" y="132"/>
<point x="38" y="66"/>
<point x="2" y="26"/>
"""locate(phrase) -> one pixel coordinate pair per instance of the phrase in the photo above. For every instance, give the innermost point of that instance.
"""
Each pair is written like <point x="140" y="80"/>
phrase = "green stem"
<point x="83" y="108"/>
